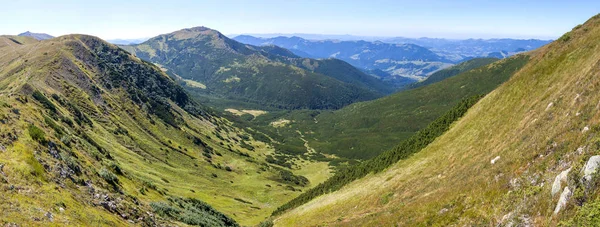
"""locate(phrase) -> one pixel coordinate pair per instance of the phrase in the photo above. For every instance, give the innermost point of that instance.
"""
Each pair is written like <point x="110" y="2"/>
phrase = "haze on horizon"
<point x="111" y="19"/>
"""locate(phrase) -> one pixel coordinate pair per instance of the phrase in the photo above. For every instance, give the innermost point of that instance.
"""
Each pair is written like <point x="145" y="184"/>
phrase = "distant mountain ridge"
<point x="38" y="36"/>
<point x="127" y="41"/>
<point x="459" y="50"/>
<point x="456" y="50"/>
<point x="404" y="60"/>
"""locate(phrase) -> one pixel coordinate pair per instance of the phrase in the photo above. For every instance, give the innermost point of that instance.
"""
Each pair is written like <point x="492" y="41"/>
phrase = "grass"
<point x="452" y="182"/>
<point x="195" y="84"/>
<point x="107" y="137"/>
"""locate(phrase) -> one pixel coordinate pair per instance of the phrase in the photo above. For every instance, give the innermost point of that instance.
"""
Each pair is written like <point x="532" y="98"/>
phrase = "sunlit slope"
<point x="91" y="135"/>
<point x="544" y="120"/>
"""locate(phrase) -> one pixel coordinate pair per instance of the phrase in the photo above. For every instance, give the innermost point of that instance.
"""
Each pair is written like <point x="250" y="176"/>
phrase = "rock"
<point x="506" y="219"/>
<point x="580" y="150"/>
<point x="585" y="129"/>
<point x="61" y="209"/>
<point x="590" y="168"/>
<point x="559" y="180"/>
<point x="443" y="210"/>
<point x="514" y="183"/>
<point x="562" y="201"/>
<point x="549" y="106"/>
<point x="493" y="161"/>
<point x="49" y="216"/>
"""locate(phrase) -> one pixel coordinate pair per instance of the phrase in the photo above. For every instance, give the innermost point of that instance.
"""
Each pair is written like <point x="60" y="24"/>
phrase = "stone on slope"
<point x="562" y="201"/>
<point x="559" y="180"/>
<point x="591" y="167"/>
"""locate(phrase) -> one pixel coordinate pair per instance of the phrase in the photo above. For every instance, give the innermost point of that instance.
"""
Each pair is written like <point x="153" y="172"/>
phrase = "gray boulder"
<point x="562" y="201"/>
<point x="591" y="167"/>
<point x="559" y="181"/>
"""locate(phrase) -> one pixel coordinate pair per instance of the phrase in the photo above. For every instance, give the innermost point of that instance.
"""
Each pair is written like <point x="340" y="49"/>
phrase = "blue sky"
<point x="110" y="19"/>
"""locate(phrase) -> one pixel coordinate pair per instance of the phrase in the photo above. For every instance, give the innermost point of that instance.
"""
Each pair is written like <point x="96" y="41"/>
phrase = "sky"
<point x="127" y="19"/>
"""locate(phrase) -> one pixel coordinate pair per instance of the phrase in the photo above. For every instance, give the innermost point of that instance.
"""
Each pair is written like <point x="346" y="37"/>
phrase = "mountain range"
<point x="397" y="60"/>
<point x="212" y="64"/>
<point x="127" y="41"/>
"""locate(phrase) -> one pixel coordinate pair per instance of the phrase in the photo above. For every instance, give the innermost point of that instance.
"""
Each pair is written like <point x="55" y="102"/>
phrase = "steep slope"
<point x="499" y="164"/>
<point x="404" y="60"/>
<point x="38" y="36"/>
<point x="234" y="70"/>
<point x="364" y="130"/>
<point x="91" y="135"/>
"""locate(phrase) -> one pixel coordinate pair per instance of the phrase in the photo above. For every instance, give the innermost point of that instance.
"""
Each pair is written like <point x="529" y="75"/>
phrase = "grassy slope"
<point x="153" y="155"/>
<point x="363" y="130"/>
<point x="235" y="71"/>
<point x="453" y="71"/>
<point x="452" y="182"/>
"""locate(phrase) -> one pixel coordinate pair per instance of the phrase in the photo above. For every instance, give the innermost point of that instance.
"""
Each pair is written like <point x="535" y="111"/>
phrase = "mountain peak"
<point x="38" y="36"/>
<point x="194" y="32"/>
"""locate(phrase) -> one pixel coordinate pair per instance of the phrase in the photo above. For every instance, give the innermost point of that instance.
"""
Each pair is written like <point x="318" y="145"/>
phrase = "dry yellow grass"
<point x="452" y="182"/>
<point x="195" y="84"/>
<point x="254" y="113"/>
<point x="280" y="123"/>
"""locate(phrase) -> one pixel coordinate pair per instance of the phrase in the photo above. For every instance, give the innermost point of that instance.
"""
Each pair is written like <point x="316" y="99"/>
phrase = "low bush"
<point x="37" y="134"/>
<point x="108" y="176"/>
<point x="192" y="212"/>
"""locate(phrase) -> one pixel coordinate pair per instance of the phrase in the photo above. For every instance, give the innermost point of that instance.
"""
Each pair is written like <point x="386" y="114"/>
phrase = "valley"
<point x="311" y="115"/>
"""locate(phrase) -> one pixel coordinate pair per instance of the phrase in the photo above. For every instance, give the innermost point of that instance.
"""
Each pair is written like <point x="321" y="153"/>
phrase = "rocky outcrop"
<point x="590" y="168"/>
<point x="562" y="201"/>
<point x="559" y="181"/>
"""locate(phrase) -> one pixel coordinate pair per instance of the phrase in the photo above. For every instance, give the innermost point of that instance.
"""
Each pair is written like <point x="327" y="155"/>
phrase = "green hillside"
<point x="500" y="163"/>
<point x="92" y="135"/>
<point x="269" y="76"/>
<point x="365" y="129"/>
<point x="453" y="71"/>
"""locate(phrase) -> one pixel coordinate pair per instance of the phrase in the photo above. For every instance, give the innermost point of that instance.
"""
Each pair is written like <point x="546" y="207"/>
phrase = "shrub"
<point x="115" y="167"/>
<point x="37" y="134"/>
<point x="565" y="38"/>
<point x="288" y="177"/>
<point x="191" y="212"/>
<point x="59" y="130"/>
<point x="266" y="223"/>
<point x="37" y="95"/>
<point x="108" y="176"/>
